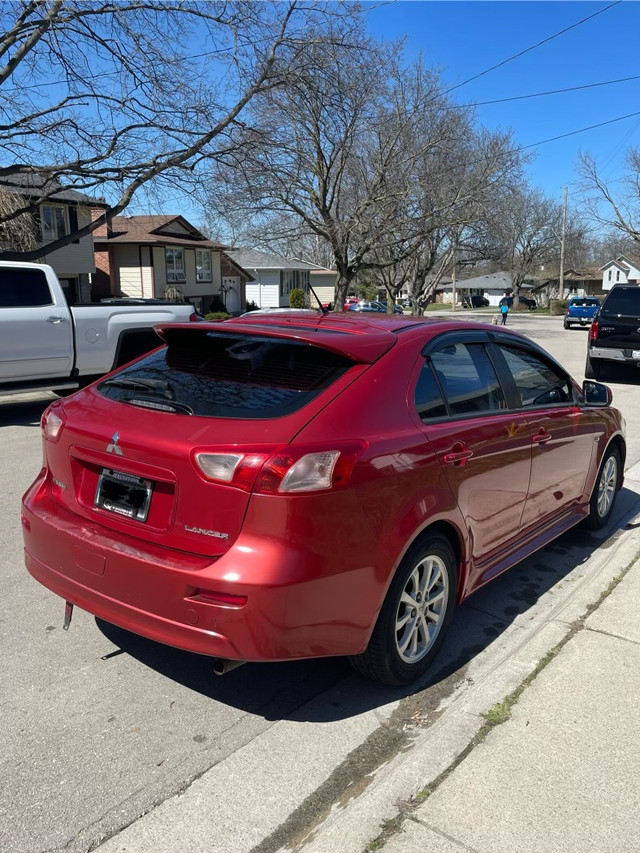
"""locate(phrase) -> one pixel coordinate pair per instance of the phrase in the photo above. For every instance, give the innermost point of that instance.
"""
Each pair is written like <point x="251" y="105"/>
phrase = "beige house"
<point x="56" y="211"/>
<point x="164" y="257"/>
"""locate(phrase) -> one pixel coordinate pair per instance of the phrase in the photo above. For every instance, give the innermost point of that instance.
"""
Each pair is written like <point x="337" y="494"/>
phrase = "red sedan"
<point x="288" y="486"/>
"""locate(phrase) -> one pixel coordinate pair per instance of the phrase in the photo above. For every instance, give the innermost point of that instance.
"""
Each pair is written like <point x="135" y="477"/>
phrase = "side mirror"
<point x="596" y="394"/>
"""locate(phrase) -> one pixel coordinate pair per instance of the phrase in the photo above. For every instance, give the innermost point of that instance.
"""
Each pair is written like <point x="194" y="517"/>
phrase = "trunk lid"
<point x="125" y="455"/>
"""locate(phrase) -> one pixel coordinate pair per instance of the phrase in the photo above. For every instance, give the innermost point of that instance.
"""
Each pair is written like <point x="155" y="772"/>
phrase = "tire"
<point x="567" y="325"/>
<point x="408" y="634"/>
<point x="604" y="493"/>
<point x="592" y="368"/>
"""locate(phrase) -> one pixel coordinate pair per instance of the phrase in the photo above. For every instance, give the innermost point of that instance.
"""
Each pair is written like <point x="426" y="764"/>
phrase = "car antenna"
<point x="317" y="298"/>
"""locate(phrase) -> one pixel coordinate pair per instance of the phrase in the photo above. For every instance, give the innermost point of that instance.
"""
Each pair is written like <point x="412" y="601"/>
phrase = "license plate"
<point x="124" y="494"/>
<point x="635" y="353"/>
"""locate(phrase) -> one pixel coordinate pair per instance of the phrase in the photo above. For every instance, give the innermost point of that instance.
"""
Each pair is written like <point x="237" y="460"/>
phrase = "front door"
<point x="36" y="339"/>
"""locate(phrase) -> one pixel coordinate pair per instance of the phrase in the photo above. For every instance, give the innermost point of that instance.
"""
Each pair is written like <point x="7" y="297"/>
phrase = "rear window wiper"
<point x="159" y="386"/>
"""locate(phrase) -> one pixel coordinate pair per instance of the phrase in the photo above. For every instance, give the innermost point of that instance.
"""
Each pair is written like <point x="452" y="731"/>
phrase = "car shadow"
<point x="25" y="413"/>
<point x="326" y="689"/>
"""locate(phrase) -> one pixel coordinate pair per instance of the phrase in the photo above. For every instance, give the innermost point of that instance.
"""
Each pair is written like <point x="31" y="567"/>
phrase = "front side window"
<point x="203" y="265"/>
<point x="537" y="383"/>
<point x="175" y="264"/>
<point x="54" y="221"/>
<point x="467" y="379"/>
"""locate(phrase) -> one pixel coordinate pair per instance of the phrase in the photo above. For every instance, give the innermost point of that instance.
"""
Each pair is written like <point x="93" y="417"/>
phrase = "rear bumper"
<point x="613" y="354"/>
<point x="294" y="609"/>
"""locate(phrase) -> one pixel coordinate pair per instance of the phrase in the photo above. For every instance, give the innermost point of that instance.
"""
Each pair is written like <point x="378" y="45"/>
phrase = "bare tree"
<point x="336" y="154"/>
<point x="622" y="207"/>
<point x="16" y="228"/>
<point x="526" y="231"/>
<point x="112" y="98"/>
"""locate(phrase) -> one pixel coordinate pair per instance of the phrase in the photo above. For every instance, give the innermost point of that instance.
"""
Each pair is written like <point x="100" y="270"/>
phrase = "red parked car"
<point x="289" y="486"/>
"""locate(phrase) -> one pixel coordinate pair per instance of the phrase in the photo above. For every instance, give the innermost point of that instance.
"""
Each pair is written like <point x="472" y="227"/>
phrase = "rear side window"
<point x="21" y="288"/>
<point x="464" y="377"/>
<point x="227" y="375"/>
<point x="624" y="301"/>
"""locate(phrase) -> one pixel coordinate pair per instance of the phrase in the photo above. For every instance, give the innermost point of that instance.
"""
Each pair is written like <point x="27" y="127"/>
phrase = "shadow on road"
<point x="25" y="413"/>
<point x="285" y="690"/>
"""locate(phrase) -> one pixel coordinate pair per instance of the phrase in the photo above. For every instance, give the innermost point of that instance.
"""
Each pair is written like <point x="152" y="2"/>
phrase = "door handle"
<point x="458" y="457"/>
<point x="53" y="319"/>
<point x="541" y="438"/>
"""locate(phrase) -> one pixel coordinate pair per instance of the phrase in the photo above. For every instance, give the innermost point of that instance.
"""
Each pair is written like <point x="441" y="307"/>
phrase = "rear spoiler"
<point x="361" y="343"/>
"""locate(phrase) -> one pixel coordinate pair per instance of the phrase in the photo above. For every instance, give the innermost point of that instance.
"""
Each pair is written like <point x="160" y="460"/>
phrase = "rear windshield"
<point x="585" y="303"/>
<point x="227" y="375"/>
<point x="625" y="301"/>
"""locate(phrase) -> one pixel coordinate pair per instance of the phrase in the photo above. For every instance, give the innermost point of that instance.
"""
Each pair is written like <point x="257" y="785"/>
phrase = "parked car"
<point x="374" y="307"/>
<point x="524" y="300"/>
<point x="475" y="301"/>
<point x="277" y="487"/>
<point x="580" y="310"/>
<point x="614" y="335"/>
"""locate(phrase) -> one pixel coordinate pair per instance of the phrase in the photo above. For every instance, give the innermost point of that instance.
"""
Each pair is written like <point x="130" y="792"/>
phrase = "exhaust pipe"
<point x="222" y="666"/>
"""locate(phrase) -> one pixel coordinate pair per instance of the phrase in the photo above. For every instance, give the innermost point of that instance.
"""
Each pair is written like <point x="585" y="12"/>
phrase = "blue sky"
<point x="465" y="38"/>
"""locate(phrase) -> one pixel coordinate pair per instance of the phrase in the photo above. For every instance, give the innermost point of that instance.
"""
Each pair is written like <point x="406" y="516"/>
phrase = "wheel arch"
<point x="450" y="532"/>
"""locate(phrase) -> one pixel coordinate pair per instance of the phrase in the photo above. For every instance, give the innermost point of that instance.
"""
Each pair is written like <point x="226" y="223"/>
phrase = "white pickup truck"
<point x="47" y="345"/>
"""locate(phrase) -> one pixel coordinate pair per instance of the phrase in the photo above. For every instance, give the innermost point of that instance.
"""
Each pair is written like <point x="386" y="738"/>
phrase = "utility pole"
<point x="453" y="281"/>
<point x="562" y="241"/>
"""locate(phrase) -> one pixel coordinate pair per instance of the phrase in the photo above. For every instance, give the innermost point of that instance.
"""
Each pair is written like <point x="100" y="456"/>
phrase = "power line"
<point x="533" y="47"/>
<point x="574" y="132"/>
<point x="543" y="94"/>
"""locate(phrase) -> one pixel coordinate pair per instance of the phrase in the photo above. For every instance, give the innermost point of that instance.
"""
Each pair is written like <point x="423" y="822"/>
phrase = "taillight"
<point x="52" y="422"/>
<point x="286" y="470"/>
<point x="194" y="318"/>
<point x="593" y="331"/>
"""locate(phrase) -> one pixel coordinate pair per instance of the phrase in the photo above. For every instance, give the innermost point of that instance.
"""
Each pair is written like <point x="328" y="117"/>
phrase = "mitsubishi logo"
<point x="113" y="447"/>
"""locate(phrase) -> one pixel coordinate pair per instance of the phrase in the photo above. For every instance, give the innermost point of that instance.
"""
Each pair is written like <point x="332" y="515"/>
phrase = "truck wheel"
<point x="567" y="325"/>
<point x="592" y="368"/>
<point x="415" y="615"/>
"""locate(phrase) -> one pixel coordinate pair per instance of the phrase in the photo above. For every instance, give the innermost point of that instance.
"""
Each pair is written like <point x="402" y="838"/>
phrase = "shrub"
<point x="251" y="306"/>
<point x="217" y="305"/>
<point x="217" y="315"/>
<point x="297" y="299"/>
<point x="558" y="306"/>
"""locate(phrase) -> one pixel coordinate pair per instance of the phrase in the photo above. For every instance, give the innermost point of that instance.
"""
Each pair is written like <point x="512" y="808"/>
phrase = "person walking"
<point x="504" y="310"/>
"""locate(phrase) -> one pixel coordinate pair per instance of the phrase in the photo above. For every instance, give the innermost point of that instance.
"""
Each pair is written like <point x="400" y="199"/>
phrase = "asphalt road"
<point x="99" y="727"/>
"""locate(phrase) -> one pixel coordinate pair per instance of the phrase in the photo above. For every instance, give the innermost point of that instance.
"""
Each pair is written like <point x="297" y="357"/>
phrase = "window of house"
<point x="609" y="275"/>
<point x="175" y="264"/>
<point x="292" y="279"/>
<point x="203" y="265"/>
<point x="617" y="275"/>
<point x="55" y="221"/>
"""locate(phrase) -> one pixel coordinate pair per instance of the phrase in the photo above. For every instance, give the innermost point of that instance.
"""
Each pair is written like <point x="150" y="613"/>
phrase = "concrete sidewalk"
<point x="563" y="772"/>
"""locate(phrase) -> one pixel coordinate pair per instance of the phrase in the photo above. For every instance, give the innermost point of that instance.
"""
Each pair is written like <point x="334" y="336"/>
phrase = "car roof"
<point x="362" y="337"/>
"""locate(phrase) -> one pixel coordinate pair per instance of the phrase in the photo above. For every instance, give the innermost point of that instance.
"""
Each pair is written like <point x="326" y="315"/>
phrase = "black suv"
<point x="615" y="331"/>
<point x="529" y="303"/>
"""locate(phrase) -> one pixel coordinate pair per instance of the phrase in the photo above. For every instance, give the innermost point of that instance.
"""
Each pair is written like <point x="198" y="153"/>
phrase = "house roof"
<point x="491" y="281"/>
<point x="624" y="262"/>
<point x="152" y="230"/>
<point x="37" y="186"/>
<point x="256" y="260"/>
<point x="244" y="273"/>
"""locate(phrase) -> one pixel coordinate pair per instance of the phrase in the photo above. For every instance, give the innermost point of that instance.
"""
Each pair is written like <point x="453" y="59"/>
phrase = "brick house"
<point x="160" y="256"/>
